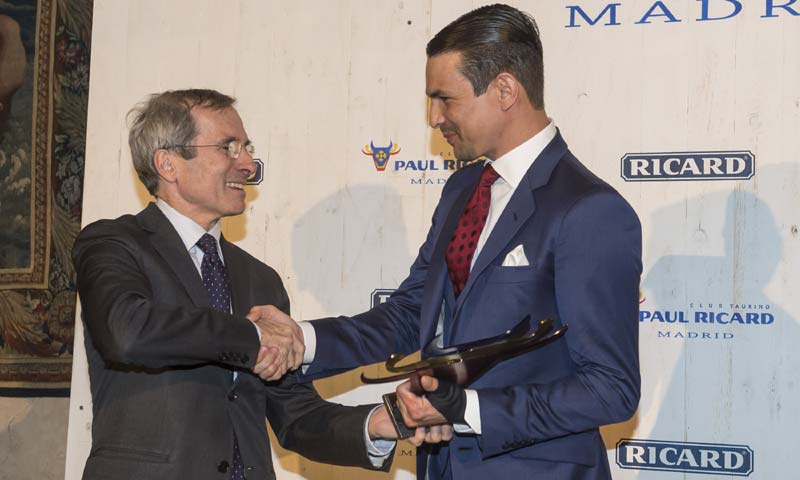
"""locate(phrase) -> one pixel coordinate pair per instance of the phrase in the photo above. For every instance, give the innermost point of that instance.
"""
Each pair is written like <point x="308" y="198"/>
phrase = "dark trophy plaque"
<point x="462" y="364"/>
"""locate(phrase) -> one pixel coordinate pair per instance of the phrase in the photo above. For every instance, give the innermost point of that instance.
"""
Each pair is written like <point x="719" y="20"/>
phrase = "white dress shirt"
<point x="190" y="232"/>
<point x="512" y="168"/>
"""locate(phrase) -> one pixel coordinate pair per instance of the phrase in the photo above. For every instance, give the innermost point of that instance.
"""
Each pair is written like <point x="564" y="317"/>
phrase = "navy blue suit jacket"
<point x="540" y="411"/>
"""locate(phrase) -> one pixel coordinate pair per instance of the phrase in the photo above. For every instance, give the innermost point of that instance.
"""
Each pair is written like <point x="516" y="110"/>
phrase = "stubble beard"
<point x="464" y="154"/>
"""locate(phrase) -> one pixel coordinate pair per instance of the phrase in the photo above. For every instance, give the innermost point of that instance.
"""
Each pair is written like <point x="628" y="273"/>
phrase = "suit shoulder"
<point x="579" y="175"/>
<point x="579" y="179"/>
<point x="122" y="233"/>
<point x="122" y="227"/>
<point x="581" y="188"/>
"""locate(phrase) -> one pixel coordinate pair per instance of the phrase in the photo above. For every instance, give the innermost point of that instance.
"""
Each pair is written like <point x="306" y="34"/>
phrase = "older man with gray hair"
<point x="171" y="354"/>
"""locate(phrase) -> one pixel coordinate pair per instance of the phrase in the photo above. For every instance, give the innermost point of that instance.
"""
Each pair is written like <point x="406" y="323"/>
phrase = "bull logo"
<point x="380" y="155"/>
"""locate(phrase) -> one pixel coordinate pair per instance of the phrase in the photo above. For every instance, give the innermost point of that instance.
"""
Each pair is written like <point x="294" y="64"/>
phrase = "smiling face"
<point x="210" y="185"/>
<point x="469" y="123"/>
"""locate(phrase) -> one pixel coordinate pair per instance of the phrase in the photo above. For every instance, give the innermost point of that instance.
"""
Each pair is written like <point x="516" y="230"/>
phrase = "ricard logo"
<point x="709" y="458"/>
<point x="723" y="165"/>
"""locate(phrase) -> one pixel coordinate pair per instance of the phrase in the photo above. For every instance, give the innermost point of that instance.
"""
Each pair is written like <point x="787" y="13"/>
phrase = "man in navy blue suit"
<point x="527" y="230"/>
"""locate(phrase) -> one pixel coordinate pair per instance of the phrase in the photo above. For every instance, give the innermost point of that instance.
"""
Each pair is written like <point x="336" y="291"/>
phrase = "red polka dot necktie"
<point x="215" y="279"/>
<point x="465" y="238"/>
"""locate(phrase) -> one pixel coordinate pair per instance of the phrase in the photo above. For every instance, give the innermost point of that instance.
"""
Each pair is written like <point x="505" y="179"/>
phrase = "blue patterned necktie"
<point x="215" y="279"/>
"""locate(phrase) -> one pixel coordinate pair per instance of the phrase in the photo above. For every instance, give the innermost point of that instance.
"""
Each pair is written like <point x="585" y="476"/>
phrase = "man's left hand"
<point x="417" y="409"/>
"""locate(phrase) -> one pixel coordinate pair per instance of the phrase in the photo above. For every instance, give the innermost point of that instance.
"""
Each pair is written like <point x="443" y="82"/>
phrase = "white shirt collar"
<point x="513" y="165"/>
<point x="189" y="231"/>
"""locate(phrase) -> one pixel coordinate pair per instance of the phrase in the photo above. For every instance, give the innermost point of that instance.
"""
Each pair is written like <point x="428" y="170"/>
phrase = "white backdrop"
<point x="316" y="81"/>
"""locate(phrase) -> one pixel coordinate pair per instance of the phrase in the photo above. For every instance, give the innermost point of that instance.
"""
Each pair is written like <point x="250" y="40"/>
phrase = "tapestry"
<point x="44" y="89"/>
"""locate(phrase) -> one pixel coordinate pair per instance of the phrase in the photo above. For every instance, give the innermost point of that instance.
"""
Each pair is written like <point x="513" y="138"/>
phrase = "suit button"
<point x="233" y="396"/>
<point x="222" y="466"/>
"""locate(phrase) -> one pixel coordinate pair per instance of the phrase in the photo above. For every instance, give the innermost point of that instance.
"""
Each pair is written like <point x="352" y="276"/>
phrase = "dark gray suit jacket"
<point x="160" y="363"/>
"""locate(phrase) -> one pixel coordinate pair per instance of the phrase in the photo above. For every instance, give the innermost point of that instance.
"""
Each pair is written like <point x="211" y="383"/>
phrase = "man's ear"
<point x="164" y="161"/>
<point x="508" y="90"/>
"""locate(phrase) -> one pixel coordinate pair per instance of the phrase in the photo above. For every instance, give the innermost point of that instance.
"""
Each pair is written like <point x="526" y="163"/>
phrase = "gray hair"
<point x="165" y="120"/>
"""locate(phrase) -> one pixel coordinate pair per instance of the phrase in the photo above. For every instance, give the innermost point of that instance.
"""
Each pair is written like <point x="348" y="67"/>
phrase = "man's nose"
<point x="247" y="163"/>
<point x="435" y="117"/>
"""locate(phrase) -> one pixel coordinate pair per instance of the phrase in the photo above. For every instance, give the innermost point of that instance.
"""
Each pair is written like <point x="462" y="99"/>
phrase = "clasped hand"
<point x="282" y="349"/>
<point x="282" y="344"/>
<point x="431" y="425"/>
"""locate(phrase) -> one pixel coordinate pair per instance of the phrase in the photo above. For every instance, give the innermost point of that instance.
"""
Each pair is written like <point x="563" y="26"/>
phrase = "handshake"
<point x="283" y="347"/>
<point x="282" y="342"/>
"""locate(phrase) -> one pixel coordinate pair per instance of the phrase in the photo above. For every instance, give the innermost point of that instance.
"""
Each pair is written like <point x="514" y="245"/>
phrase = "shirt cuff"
<point x="379" y="449"/>
<point x="472" y="415"/>
<point x="258" y="332"/>
<point x="310" y="339"/>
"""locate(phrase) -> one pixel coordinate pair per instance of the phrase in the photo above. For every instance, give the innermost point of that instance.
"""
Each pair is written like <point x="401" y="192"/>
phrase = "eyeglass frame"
<point x="246" y="146"/>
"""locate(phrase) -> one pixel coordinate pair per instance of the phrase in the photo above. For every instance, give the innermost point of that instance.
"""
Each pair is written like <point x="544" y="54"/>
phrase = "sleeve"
<point x="309" y="425"/>
<point x="344" y="343"/>
<point x="379" y="449"/>
<point x="126" y="324"/>
<point x="316" y="429"/>
<point x="597" y="270"/>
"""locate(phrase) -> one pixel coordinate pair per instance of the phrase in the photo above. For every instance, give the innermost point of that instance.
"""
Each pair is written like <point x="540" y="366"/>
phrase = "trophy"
<point x="461" y="364"/>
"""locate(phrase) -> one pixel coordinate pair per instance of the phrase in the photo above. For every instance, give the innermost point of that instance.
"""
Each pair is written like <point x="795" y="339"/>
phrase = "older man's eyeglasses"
<point x="233" y="148"/>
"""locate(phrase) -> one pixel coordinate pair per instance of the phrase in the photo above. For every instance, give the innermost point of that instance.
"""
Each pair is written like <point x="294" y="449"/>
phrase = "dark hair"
<point x="165" y="120"/>
<point x="495" y="39"/>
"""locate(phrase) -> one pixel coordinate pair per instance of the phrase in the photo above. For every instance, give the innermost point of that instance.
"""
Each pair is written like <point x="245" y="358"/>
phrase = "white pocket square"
<point x="516" y="258"/>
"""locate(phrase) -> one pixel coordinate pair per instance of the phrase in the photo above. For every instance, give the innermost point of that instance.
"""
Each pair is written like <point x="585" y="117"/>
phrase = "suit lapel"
<point x="236" y="266"/>
<point x="517" y="212"/>
<point x="237" y="274"/>
<point x="438" y="285"/>
<point x="519" y="209"/>
<point x="166" y="241"/>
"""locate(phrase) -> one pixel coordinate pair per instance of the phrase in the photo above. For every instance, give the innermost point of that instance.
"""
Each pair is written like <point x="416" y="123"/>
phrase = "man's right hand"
<point x="380" y="426"/>
<point x="282" y="344"/>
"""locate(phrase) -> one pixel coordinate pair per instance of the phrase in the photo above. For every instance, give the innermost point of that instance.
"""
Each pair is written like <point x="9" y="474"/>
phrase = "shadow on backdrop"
<point x="345" y="246"/>
<point x="717" y="382"/>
